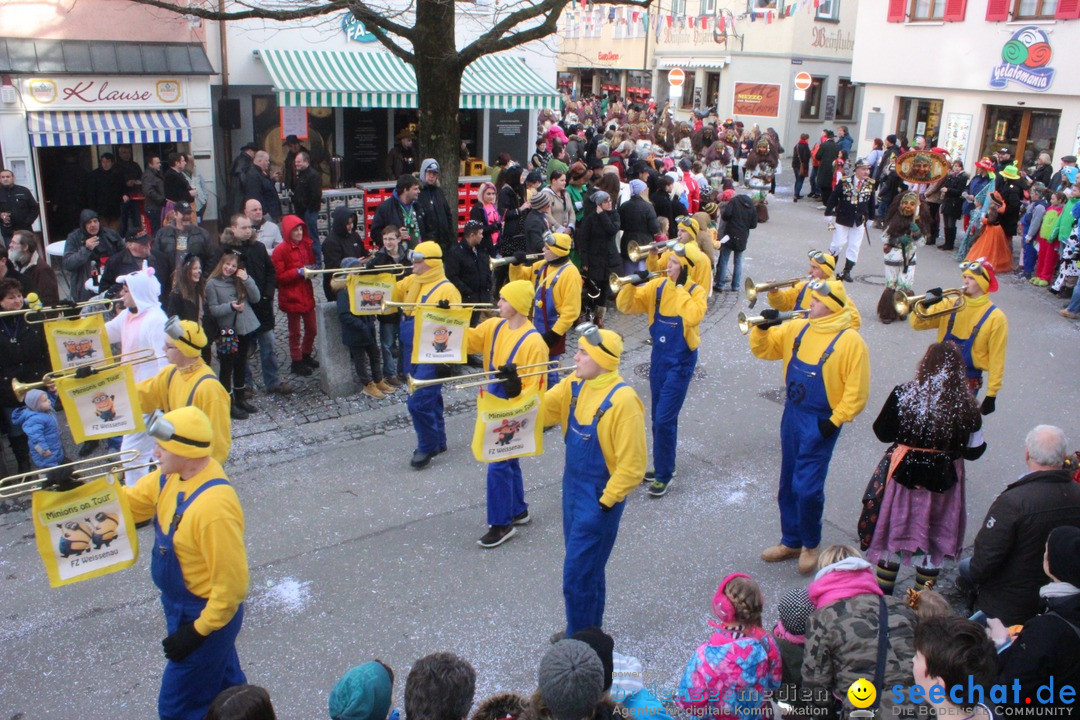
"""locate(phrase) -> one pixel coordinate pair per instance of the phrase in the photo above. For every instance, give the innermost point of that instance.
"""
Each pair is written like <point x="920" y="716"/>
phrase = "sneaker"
<point x="372" y="390"/>
<point x="522" y="518"/>
<point x="658" y="489"/>
<point x="496" y="536"/>
<point x="393" y="381"/>
<point x="420" y="459"/>
<point x="299" y="368"/>
<point x="310" y="362"/>
<point x="384" y="387"/>
<point x="1064" y="312"/>
<point x="650" y="475"/>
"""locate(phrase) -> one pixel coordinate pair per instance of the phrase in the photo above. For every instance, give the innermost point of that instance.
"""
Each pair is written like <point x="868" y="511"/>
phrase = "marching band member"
<point x="187" y="380"/>
<point x="797" y="297"/>
<point x="852" y="202"/>
<point x="509" y="339"/>
<point x="701" y="273"/>
<point x="675" y="305"/>
<point x="827" y="374"/>
<point x="199" y="562"/>
<point x="557" y="299"/>
<point x="428" y="286"/>
<point x="979" y="328"/>
<point x="604" y="426"/>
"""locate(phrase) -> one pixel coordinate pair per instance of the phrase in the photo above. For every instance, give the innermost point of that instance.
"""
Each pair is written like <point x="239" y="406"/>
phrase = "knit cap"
<point x="827" y="263"/>
<point x="604" y="647"/>
<point x="612" y="343"/>
<point x="192" y="433"/>
<point x="519" y="293"/>
<point x="637" y="187"/>
<point x="562" y="244"/>
<point x="432" y="253"/>
<point x="599" y="197"/>
<point x="33" y="398"/>
<point x="540" y="200"/>
<point x="362" y="694"/>
<point x="794" y="609"/>
<point x="691" y="226"/>
<point x="571" y="679"/>
<point x="832" y="295"/>
<point x="192" y="339"/>
<point x="986" y="278"/>
<point x="1063" y="554"/>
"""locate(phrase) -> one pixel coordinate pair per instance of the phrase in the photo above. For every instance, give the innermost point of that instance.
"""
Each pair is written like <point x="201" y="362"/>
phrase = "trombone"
<point x="754" y="289"/>
<point x="747" y="322"/>
<point x="32" y="314"/>
<point x="461" y="382"/>
<point x="138" y="357"/>
<point x="637" y="252"/>
<point x="391" y="305"/>
<point x="28" y="482"/>
<point x="616" y="283"/>
<point x="336" y="272"/>
<point x="904" y="304"/>
<point x="499" y="262"/>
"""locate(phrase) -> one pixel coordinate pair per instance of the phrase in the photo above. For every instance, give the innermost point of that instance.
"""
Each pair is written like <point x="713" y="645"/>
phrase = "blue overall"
<point x="505" y="484"/>
<point x="805" y="453"/>
<point x="588" y="531"/>
<point x="672" y="367"/>
<point x="426" y="404"/>
<point x="189" y="686"/>
<point x="974" y="374"/>
<point x="800" y="297"/>
<point x="544" y="315"/>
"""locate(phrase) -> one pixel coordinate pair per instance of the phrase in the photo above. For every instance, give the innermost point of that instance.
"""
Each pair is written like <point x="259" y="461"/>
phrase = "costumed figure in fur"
<point x="906" y="225"/>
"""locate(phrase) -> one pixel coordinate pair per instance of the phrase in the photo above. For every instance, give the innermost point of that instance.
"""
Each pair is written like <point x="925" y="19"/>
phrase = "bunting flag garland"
<point x="594" y="18"/>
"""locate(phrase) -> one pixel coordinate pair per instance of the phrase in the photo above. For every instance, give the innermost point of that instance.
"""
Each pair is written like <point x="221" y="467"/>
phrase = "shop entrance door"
<point x="919" y="117"/>
<point x="1024" y="131"/>
<point x="63" y="172"/>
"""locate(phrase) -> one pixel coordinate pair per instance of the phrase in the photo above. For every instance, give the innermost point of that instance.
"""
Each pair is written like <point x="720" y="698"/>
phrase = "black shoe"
<point x="299" y="368"/>
<point x="310" y="362"/>
<point x="87" y="448"/>
<point x="244" y="403"/>
<point x="440" y="451"/>
<point x="522" y="518"/>
<point x="236" y="411"/>
<point x="496" y="536"/>
<point x="947" y="247"/>
<point x="420" y="459"/>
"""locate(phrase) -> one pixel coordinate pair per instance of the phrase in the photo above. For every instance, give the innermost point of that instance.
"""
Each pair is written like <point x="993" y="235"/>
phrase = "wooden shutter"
<point x="1068" y="10"/>
<point x="998" y="10"/>
<point x="955" y="9"/>
<point x="897" y="10"/>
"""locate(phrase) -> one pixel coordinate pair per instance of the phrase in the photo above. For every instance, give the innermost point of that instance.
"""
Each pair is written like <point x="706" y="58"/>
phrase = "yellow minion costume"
<point x="556" y="292"/>
<point x="700" y="273"/>
<point x="501" y="341"/>
<point x="675" y="311"/>
<point x="980" y="329"/>
<point x="797" y="297"/>
<point x="429" y="287"/>
<point x="200" y="565"/>
<point x="604" y="427"/>
<point x="827" y="375"/>
<point x="192" y="383"/>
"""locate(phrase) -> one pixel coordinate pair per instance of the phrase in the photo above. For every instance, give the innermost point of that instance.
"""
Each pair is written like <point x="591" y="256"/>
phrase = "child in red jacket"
<point x="296" y="298"/>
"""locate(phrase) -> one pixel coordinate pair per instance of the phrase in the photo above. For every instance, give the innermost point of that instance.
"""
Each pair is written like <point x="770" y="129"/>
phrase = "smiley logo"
<point x="862" y="693"/>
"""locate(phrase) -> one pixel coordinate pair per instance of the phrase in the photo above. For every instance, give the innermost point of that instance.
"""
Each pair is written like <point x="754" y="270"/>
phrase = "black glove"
<point x="551" y="337"/>
<point x="442" y="370"/>
<point x="933" y="295"/>
<point x="60" y="480"/>
<point x="826" y="428"/>
<point x="773" y="317"/>
<point x="603" y="507"/>
<point x="988" y="405"/>
<point x="519" y="258"/>
<point x="683" y="275"/>
<point x="642" y="276"/>
<point x="84" y="371"/>
<point x="182" y="643"/>
<point x="511" y="382"/>
<point x="443" y="304"/>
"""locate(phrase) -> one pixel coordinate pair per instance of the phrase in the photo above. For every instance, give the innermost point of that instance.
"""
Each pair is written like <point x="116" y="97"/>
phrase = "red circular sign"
<point x="803" y="81"/>
<point x="677" y="77"/>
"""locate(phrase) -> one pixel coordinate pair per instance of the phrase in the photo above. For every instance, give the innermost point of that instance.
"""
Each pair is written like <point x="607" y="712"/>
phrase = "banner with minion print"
<point x="507" y="429"/>
<point x="439" y="336"/>
<point x="84" y="533"/>
<point x="77" y="341"/>
<point x="367" y="292"/>
<point x="102" y="405"/>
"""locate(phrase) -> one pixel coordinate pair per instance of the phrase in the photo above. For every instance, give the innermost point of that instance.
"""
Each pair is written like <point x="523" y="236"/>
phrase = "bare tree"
<point x="422" y="34"/>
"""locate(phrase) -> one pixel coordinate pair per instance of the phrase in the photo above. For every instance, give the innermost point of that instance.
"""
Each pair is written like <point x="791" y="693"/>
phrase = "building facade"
<point x="972" y="77"/>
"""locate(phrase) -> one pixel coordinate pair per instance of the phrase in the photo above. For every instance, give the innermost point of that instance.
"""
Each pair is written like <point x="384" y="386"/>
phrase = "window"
<point x="845" y="99"/>
<point x="1035" y="9"/>
<point x="707" y="7"/>
<point x="828" y="10"/>
<point x="761" y="7"/>
<point x="687" y="99"/>
<point x="811" y="106"/>
<point x="678" y="7"/>
<point x="927" y="10"/>
<point x="573" y="25"/>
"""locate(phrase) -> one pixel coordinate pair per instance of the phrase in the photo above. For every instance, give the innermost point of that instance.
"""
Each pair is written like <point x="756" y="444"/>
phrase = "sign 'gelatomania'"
<point x="102" y="93"/>
<point x="1025" y="60"/>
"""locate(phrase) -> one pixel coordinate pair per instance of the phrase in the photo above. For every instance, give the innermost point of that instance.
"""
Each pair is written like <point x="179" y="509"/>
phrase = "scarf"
<point x="842" y="580"/>
<point x="422" y="282"/>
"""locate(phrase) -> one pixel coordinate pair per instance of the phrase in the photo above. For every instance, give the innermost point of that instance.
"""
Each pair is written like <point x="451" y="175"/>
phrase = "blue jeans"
<point x="1074" y="304"/>
<point x="311" y="218"/>
<point x="798" y="185"/>
<point x="267" y="360"/>
<point x="721" y="268"/>
<point x="389" y="335"/>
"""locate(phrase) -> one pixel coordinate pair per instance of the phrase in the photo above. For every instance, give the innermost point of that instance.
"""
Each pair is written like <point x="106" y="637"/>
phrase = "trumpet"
<point x="138" y="357"/>
<point x="36" y="316"/>
<point x="343" y="272"/>
<point x="616" y="283"/>
<point x="637" y="252"/>
<point x="28" y="482"/>
<point x="754" y="289"/>
<point x="747" y="322"/>
<point x="391" y="305"/>
<point x="461" y="382"/>
<point x="904" y="304"/>
<point x="499" y="262"/>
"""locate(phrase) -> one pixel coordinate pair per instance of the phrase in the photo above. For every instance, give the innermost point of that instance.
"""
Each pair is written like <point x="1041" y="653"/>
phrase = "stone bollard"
<point x="336" y="376"/>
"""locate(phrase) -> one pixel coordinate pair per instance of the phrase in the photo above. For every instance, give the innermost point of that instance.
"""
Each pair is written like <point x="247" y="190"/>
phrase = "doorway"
<point x="63" y="172"/>
<point x="919" y="117"/>
<point x="1025" y="131"/>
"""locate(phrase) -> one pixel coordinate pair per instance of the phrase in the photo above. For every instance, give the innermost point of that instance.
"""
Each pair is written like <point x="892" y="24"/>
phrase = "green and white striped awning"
<point x="332" y="78"/>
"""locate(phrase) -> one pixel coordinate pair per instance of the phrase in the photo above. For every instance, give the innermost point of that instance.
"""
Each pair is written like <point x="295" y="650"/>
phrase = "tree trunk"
<point x="438" y="85"/>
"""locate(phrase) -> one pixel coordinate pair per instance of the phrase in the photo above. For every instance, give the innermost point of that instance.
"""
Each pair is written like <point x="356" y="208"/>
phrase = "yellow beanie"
<point x="519" y="294"/>
<point x="691" y="226"/>
<point x="193" y="434"/>
<point x="836" y="298"/>
<point x="829" y="265"/>
<point x="562" y="245"/>
<point x="432" y="253"/>
<point x="607" y="356"/>
<point x="192" y="342"/>
<point x="693" y="255"/>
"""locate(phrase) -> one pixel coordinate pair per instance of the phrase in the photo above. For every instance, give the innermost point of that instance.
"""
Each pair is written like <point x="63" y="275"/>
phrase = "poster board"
<point x="440" y="335"/>
<point x="756" y="99"/>
<point x="77" y="341"/>
<point x="367" y="292"/>
<point x="102" y="405"/>
<point x="507" y="429"/>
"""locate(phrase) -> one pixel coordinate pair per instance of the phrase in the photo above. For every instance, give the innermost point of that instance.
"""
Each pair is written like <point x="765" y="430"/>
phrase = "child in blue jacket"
<point x="38" y="421"/>
<point x="358" y="334"/>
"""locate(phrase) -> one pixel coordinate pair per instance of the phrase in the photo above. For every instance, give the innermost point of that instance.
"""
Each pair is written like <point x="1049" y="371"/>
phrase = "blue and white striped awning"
<point x="60" y="129"/>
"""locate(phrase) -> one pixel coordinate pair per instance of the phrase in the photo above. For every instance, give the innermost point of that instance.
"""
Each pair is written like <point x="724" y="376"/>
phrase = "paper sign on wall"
<point x="294" y="122"/>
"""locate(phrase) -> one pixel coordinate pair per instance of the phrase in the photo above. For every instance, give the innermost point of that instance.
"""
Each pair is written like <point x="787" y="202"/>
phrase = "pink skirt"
<point x="919" y="521"/>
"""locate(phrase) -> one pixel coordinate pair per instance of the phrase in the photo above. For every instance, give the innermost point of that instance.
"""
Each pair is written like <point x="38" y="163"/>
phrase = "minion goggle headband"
<point x="550" y="241"/>
<point x="679" y="249"/>
<point x="975" y="266"/>
<point x="161" y="429"/>
<point x="821" y="259"/>
<point x="175" y="331"/>
<point x="591" y="334"/>
<point x="417" y="256"/>
<point x="821" y="287"/>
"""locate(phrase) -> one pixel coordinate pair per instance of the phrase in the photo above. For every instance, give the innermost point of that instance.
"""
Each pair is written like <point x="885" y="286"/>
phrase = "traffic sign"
<point x="803" y="81"/>
<point x="676" y="77"/>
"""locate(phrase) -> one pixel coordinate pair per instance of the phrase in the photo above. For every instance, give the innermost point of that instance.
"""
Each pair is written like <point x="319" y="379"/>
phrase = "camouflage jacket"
<point x="841" y="647"/>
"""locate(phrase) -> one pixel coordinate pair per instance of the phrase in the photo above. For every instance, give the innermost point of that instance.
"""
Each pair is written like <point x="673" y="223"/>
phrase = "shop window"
<point x="845" y="99"/>
<point x="1035" y="9"/>
<point x="828" y="10"/>
<point x="687" y="99"/>
<point x="927" y="10"/>
<point x="811" y="106"/>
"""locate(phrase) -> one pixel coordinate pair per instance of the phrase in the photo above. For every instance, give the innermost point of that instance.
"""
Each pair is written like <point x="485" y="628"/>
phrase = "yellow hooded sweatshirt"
<point x="988" y="351"/>
<point x="675" y="300"/>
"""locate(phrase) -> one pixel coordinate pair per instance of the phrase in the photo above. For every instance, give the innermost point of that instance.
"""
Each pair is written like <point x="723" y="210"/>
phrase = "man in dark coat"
<point x="181" y="234"/>
<point x="292" y="148"/>
<point x="85" y="249"/>
<point x="24" y="357"/>
<point x="343" y="241"/>
<point x="307" y="199"/>
<point x="105" y="190"/>
<point x="237" y="171"/>
<point x="402" y="211"/>
<point x="18" y="208"/>
<point x="637" y="219"/>
<point x="740" y="217"/>
<point x="177" y="187"/>
<point x="441" y="221"/>
<point x="467" y="266"/>
<point x="153" y="187"/>
<point x="826" y="155"/>
<point x="256" y="184"/>
<point x="27" y="258"/>
<point x="401" y="160"/>
<point x="1007" y="564"/>
<point x="136" y="253"/>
